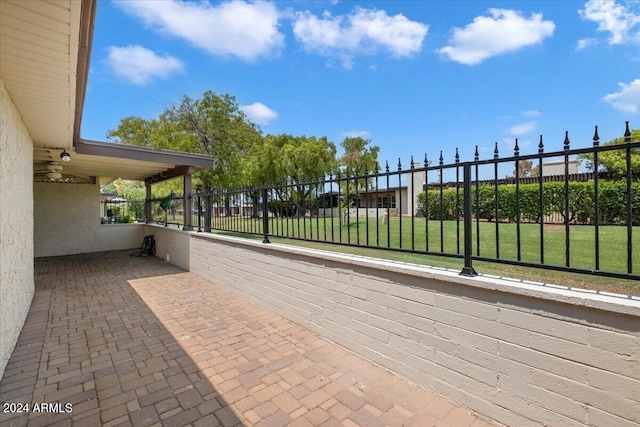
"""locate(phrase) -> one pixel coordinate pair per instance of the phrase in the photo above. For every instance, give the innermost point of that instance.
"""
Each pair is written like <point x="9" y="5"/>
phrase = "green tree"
<point x="295" y="160"/>
<point x="614" y="162"/>
<point x="358" y="156"/>
<point x="526" y="169"/>
<point x="213" y="125"/>
<point x="358" y="159"/>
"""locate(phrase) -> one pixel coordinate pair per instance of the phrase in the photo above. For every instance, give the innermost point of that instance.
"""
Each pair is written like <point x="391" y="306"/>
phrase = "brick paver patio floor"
<point x="136" y="341"/>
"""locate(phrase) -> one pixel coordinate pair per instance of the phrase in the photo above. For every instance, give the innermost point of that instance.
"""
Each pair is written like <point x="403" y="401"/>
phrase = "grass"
<point x="414" y="234"/>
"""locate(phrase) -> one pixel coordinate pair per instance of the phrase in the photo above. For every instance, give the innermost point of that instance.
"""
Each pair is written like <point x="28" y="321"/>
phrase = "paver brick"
<point x="189" y="399"/>
<point x="144" y="417"/>
<point x="137" y="341"/>
<point x="349" y="399"/>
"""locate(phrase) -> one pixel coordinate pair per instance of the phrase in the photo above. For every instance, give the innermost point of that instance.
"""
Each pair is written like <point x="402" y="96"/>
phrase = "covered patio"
<point x="137" y="341"/>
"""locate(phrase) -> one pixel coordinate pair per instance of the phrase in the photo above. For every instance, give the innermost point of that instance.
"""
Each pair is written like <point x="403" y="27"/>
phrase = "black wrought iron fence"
<point x="117" y="210"/>
<point x="568" y="221"/>
<point x="168" y="211"/>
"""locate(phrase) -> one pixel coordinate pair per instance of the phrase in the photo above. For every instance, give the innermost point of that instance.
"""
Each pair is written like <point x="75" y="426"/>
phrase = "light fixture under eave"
<point x="54" y="175"/>
<point x="65" y="156"/>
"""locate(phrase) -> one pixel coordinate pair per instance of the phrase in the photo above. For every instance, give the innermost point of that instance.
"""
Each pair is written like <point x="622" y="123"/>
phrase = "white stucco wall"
<point x="16" y="225"/>
<point x="172" y="244"/>
<point x="114" y="237"/>
<point x="66" y="219"/>
<point x="415" y="186"/>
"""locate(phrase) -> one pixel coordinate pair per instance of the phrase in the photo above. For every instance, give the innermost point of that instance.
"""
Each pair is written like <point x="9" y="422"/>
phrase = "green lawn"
<point x="413" y="234"/>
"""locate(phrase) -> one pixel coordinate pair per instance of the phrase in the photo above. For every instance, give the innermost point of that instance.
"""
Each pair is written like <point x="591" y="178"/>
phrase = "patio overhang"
<point x="109" y="160"/>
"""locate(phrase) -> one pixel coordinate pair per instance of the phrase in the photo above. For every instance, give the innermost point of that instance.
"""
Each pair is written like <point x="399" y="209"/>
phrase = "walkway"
<point x="117" y="340"/>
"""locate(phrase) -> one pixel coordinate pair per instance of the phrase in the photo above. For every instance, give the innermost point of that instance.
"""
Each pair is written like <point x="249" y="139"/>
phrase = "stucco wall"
<point x="521" y="354"/>
<point x="115" y="237"/>
<point x="172" y="244"/>
<point x="16" y="225"/>
<point x="66" y="219"/>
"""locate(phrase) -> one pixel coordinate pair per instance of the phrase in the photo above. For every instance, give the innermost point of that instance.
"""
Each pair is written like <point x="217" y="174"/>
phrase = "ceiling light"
<point x="54" y="175"/>
<point x="65" y="156"/>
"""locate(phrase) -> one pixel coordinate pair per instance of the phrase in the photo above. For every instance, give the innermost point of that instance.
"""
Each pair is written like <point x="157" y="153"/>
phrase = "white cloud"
<point x="259" y="113"/>
<point x="487" y="36"/>
<point x="531" y="113"/>
<point x="585" y="43"/>
<point x="613" y="18"/>
<point x="356" y="133"/>
<point x="140" y="65"/>
<point x="363" y="32"/>
<point x="627" y="99"/>
<point x="522" y="128"/>
<point x="238" y="28"/>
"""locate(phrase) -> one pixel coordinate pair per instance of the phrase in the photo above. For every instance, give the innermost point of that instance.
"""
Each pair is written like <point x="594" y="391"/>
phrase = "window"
<point x="387" y="202"/>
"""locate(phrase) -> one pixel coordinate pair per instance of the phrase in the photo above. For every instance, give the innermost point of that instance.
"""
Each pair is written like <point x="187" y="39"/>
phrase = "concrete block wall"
<point x="114" y="237"/>
<point x="16" y="225"/>
<point x="66" y="219"/>
<point x="172" y="244"/>
<point x="520" y="354"/>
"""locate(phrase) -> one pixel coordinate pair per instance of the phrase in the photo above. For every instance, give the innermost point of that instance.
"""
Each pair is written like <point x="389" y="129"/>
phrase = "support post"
<point x="265" y="217"/>
<point x="468" y="269"/>
<point x="186" y="202"/>
<point x="147" y="202"/>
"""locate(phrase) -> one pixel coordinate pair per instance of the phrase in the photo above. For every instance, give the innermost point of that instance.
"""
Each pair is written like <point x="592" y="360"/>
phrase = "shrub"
<point x="581" y="203"/>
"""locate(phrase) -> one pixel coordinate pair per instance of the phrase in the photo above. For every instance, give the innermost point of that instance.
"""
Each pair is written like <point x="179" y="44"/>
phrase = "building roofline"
<point x="146" y="154"/>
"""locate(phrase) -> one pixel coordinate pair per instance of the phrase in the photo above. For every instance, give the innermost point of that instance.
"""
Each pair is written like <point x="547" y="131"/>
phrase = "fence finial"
<point x="627" y="133"/>
<point x="476" y="155"/>
<point x="495" y="151"/>
<point x="540" y="146"/>
<point x="412" y="167"/>
<point x="566" y="140"/>
<point x="516" y="149"/>
<point x="426" y="161"/>
<point x="596" y="138"/>
<point x="387" y="165"/>
<point x="441" y="159"/>
<point x="399" y="164"/>
<point x="457" y="156"/>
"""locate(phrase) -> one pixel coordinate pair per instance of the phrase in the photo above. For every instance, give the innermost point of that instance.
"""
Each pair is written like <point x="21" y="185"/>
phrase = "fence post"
<point x="468" y="269"/>
<point x="208" y="213"/>
<point x="265" y="217"/>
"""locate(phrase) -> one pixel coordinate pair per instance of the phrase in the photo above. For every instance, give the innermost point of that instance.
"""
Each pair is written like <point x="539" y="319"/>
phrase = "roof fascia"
<point x="144" y="154"/>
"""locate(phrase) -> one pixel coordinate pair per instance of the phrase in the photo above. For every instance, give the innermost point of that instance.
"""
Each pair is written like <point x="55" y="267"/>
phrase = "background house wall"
<point x="16" y="225"/>
<point x="66" y="219"/>
<point x="415" y="185"/>
<point x="521" y="354"/>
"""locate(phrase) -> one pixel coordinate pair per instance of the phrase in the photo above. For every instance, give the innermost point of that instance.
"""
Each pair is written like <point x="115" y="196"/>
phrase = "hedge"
<point x="612" y="201"/>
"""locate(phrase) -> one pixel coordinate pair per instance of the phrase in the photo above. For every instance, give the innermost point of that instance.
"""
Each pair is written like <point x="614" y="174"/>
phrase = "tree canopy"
<point x="213" y="125"/>
<point x="358" y="158"/>
<point x="614" y="162"/>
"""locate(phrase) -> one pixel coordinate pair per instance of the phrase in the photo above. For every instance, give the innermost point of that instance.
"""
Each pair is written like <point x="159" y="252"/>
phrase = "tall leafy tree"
<point x="294" y="160"/>
<point x="358" y="159"/>
<point x="358" y="156"/>
<point x="526" y="169"/>
<point x="213" y="125"/>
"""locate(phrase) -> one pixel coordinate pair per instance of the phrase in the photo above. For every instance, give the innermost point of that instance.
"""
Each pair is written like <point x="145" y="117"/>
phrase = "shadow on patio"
<point x="137" y="341"/>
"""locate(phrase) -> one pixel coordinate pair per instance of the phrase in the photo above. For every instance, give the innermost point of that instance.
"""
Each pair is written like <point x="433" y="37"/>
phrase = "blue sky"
<point x="411" y="76"/>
